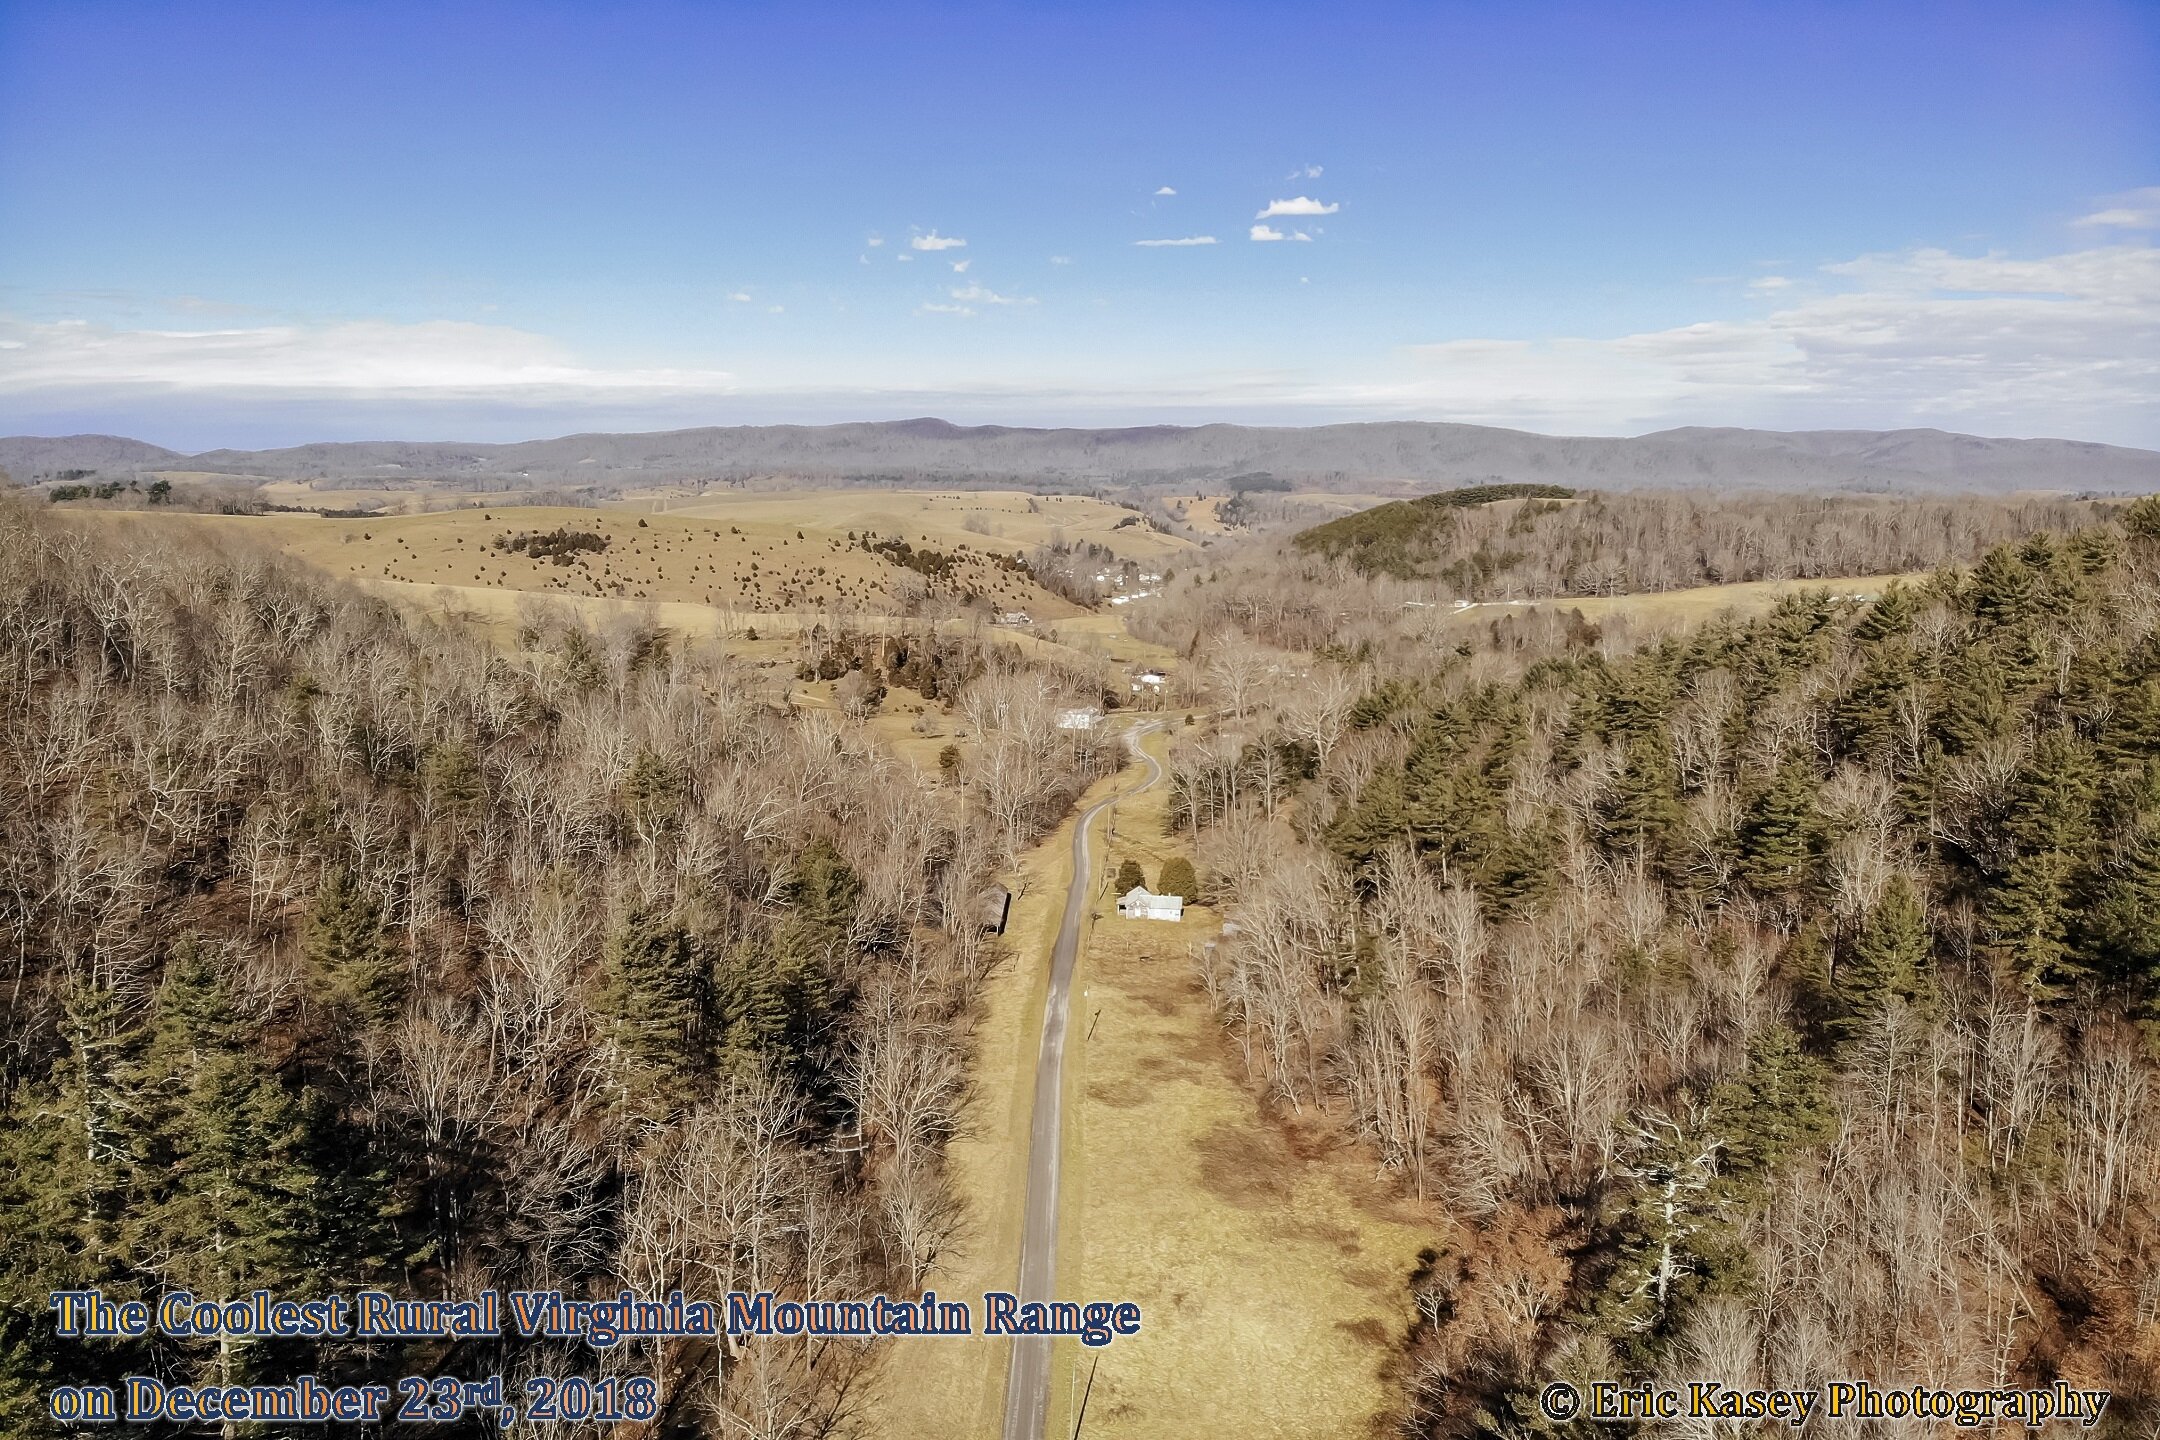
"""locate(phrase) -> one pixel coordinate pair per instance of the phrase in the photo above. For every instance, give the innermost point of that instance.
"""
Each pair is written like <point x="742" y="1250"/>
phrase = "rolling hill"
<point x="1392" y="457"/>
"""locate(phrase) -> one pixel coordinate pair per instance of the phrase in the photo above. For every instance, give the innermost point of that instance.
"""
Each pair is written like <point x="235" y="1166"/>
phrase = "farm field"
<point x="1253" y="1251"/>
<point x="1686" y="606"/>
<point x="775" y="560"/>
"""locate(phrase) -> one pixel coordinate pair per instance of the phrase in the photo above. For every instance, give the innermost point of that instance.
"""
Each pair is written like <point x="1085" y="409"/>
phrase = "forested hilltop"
<point x="348" y="951"/>
<point x="1548" y="541"/>
<point x="1772" y="1001"/>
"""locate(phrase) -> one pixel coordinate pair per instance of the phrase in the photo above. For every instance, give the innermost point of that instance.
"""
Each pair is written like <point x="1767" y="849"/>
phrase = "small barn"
<point x="1138" y="904"/>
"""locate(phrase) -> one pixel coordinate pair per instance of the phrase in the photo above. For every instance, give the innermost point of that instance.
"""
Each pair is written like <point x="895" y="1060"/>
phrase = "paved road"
<point x="1027" y="1384"/>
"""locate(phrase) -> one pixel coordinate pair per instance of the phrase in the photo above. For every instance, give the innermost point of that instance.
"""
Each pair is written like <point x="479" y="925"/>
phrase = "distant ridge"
<point x="1389" y="456"/>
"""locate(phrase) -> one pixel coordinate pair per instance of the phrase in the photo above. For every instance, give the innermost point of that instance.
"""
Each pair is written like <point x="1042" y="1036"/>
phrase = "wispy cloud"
<point x="740" y="297"/>
<point x="366" y="357"/>
<point x="1769" y="283"/>
<point x="1269" y="232"/>
<point x="1061" y="259"/>
<point x="1182" y="240"/>
<point x="1165" y="190"/>
<point x="2132" y="210"/>
<point x="874" y="241"/>
<point x="2061" y="344"/>
<point x="984" y="295"/>
<point x="1298" y="205"/>
<point x="932" y="307"/>
<point x="1304" y="172"/>
<point x="960" y="267"/>
<point x="935" y="241"/>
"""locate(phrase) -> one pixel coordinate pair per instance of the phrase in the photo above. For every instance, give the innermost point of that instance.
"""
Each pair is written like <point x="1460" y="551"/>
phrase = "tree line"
<point x="1772" y="1001"/>
<point x="349" y="950"/>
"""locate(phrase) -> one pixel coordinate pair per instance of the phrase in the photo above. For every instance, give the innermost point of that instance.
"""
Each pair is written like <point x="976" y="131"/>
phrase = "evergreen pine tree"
<point x="1669" y="1199"/>
<point x="1973" y="703"/>
<point x="1778" y="840"/>
<point x="1889" y="961"/>
<point x="356" y="966"/>
<point x="1178" y="878"/>
<point x="226" y="1199"/>
<point x="2123" y="926"/>
<point x="68" y="1153"/>
<point x="2049" y="828"/>
<point x="1640" y="809"/>
<point x="759" y="1001"/>
<point x="1779" y="1104"/>
<point x="654" y="1000"/>
<point x="1129" y="875"/>
<point x="825" y="890"/>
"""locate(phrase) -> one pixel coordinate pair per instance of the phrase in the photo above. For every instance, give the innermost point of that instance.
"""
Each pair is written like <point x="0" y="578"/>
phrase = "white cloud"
<point x="1771" y="282"/>
<point x="1301" y="205"/>
<point x="983" y="295"/>
<point x="740" y="297"/>
<point x="776" y="309"/>
<point x="1061" y="259"/>
<point x="933" y="308"/>
<point x="874" y="241"/>
<point x="904" y="259"/>
<point x="1185" y="240"/>
<point x="935" y="241"/>
<point x="2131" y="210"/>
<point x="960" y="267"/>
<point x="2066" y="344"/>
<point x="1269" y="232"/>
<point x="1164" y="190"/>
<point x="1304" y="172"/>
<point x="372" y="357"/>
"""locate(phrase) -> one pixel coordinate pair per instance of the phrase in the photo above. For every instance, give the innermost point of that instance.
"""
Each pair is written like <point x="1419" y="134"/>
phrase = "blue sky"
<point x="235" y="224"/>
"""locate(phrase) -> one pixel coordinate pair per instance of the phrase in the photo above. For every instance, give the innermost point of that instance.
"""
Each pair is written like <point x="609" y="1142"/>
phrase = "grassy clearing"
<point x="1008" y="520"/>
<point x="776" y="562"/>
<point x="1690" y="606"/>
<point x="955" y="1390"/>
<point x="1270" y="1268"/>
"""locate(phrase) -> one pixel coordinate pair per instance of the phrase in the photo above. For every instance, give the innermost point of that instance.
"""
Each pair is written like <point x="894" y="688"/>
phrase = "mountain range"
<point x="1381" y="457"/>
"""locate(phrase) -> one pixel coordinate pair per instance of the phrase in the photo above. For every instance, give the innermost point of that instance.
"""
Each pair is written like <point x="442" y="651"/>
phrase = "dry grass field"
<point x="763" y="565"/>
<point x="1269" y="1269"/>
<point x="763" y="553"/>
<point x="953" y="1390"/>
<point x="1005" y="520"/>
<point x="1681" y="607"/>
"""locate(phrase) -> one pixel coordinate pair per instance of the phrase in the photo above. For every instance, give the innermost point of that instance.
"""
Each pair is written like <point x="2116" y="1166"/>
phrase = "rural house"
<point x="1138" y="904"/>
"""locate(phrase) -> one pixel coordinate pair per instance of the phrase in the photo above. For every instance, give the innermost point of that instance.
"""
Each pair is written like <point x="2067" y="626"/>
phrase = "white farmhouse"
<point x="1138" y="904"/>
<point x="1079" y="718"/>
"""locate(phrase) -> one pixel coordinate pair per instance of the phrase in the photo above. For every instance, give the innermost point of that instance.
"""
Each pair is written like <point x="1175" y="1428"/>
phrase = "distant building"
<point x="1149" y="680"/>
<point x="1079" y="718"/>
<point x="1138" y="904"/>
<point x="1015" y="617"/>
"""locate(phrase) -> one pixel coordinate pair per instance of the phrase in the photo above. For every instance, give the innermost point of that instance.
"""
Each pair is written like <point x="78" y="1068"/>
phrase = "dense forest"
<point x="1547" y="544"/>
<point x="1770" y="1001"/>
<point x="349" y="951"/>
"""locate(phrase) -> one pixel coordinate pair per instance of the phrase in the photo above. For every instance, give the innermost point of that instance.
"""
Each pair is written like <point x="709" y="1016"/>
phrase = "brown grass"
<point x="1269" y="1264"/>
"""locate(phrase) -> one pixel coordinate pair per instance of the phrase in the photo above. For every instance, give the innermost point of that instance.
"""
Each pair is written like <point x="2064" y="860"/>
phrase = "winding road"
<point x="1027" y="1384"/>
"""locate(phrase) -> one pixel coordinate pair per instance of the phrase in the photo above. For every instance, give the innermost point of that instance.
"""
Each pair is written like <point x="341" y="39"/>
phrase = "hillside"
<point x="753" y="553"/>
<point x="1393" y="456"/>
<point x="1516" y="543"/>
<point x="1392" y="539"/>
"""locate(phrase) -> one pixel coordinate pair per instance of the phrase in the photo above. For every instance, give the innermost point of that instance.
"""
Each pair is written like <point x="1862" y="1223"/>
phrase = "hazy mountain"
<point x="1398" y="456"/>
<point x="28" y="458"/>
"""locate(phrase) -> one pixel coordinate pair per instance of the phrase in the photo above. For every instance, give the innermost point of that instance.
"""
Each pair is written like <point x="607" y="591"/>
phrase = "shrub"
<point x="1178" y="878"/>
